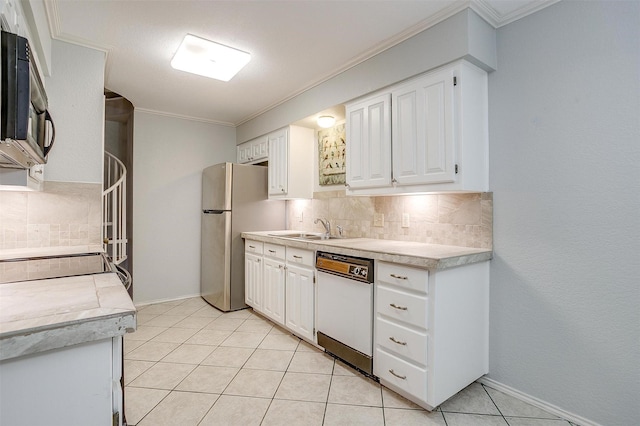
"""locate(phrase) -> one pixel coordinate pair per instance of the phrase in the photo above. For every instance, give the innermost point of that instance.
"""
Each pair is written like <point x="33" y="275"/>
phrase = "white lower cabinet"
<point x="280" y="284"/>
<point x="406" y="378"/>
<point x="431" y="330"/>
<point x="274" y="283"/>
<point x="300" y="301"/>
<point x="253" y="278"/>
<point x="73" y="385"/>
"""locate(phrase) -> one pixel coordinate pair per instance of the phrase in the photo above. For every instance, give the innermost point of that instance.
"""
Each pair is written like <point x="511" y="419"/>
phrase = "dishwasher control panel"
<point x="347" y="266"/>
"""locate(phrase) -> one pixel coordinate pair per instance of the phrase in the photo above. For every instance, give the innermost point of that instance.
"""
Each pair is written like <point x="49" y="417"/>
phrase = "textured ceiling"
<point x="294" y="44"/>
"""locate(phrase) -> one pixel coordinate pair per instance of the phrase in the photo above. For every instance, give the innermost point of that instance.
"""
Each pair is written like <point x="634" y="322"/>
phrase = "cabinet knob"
<point x="394" y="181"/>
<point x="347" y="185"/>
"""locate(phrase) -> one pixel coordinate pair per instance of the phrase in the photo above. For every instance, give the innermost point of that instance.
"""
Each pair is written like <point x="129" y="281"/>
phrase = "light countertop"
<point x="422" y="255"/>
<point x="46" y="314"/>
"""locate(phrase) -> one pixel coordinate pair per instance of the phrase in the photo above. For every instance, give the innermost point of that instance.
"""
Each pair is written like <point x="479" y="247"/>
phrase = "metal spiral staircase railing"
<point x="114" y="209"/>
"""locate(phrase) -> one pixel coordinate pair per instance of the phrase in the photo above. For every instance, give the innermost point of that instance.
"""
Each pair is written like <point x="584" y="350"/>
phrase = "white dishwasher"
<point x="345" y="308"/>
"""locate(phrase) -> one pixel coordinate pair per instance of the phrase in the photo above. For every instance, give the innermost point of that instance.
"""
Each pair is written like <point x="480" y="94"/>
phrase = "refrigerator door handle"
<point x="214" y="211"/>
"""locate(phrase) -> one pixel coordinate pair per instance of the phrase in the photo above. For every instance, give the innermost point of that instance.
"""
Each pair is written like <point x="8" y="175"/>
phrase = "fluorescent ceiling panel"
<point x="209" y="59"/>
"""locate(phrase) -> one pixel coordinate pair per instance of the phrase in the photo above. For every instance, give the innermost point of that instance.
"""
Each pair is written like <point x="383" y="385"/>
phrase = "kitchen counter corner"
<point x="40" y="315"/>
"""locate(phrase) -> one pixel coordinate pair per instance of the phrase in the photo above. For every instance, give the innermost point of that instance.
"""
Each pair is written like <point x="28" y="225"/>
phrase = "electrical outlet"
<point x="378" y="219"/>
<point x="301" y="217"/>
<point x="405" y="220"/>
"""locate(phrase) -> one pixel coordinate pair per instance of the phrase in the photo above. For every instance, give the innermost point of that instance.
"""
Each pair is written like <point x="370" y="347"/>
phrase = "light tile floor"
<point x="190" y="364"/>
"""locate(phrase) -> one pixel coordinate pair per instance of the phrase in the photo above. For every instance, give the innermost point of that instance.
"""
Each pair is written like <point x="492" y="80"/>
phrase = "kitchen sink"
<point x="305" y="236"/>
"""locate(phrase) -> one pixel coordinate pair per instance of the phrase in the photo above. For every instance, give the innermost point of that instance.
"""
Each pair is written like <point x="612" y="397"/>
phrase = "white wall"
<point x="565" y="154"/>
<point x="168" y="157"/>
<point x="464" y="35"/>
<point x="76" y="102"/>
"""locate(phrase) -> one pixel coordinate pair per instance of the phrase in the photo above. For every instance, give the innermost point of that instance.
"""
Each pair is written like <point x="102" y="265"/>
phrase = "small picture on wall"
<point x="332" y="155"/>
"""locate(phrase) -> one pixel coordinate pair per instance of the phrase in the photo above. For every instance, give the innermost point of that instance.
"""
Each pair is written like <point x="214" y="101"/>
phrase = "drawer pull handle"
<point x="400" y="277"/>
<point x="397" y="375"/>
<point x="252" y="247"/>
<point x="271" y="251"/>
<point x="401" y="308"/>
<point x="397" y="341"/>
<point x="297" y="257"/>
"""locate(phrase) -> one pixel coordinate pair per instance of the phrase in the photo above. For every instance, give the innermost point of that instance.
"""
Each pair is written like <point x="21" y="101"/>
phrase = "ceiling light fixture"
<point x="209" y="59"/>
<point x="326" y="121"/>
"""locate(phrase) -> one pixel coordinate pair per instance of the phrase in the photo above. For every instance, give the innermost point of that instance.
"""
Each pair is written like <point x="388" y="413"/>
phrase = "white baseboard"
<point x="573" y="418"/>
<point x="153" y="302"/>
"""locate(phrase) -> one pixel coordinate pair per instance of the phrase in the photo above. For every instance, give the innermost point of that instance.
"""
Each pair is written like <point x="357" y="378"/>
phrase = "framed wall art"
<point x="332" y="155"/>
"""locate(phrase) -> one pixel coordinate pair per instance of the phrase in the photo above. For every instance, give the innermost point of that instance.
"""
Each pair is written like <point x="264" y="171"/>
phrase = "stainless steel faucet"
<point x="327" y="226"/>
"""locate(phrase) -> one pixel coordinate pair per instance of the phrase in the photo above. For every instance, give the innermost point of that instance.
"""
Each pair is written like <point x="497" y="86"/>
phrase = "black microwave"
<point x="27" y="131"/>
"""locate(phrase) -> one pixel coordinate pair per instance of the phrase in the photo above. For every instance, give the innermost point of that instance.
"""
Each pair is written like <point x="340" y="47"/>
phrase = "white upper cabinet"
<point x="369" y="142"/>
<point x="290" y="160"/>
<point x="278" y="162"/>
<point x="433" y="136"/>
<point x="423" y="142"/>
<point x="253" y="151"/>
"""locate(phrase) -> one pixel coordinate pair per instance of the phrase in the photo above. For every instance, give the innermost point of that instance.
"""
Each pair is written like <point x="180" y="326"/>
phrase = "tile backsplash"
<point x="63" y="214"/>
<point x="461" y="219"/>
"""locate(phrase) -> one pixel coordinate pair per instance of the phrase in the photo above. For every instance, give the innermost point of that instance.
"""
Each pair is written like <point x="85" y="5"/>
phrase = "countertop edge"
<point x="19" y="343"/>
<point x="431" y="263"/>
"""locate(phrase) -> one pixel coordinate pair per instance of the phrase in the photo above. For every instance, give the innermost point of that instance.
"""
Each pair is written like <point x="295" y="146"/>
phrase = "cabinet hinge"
<point x="455" y="81"/>
<point x="314" y="279"/>
<point x="314" y="331"/>
<point x="456" y="169"/>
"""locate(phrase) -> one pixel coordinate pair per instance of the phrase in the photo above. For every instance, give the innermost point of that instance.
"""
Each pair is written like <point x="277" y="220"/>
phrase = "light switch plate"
<point x="405" y="220"/>
<point x="378" y="219"/>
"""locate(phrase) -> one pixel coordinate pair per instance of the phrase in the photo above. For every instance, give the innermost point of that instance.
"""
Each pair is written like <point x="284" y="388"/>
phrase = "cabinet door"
<point x="300" y="301"/>
<point x="273" y="295"/>
<point x="244" y="152"/>
<point x="253" y="280"/>
<point x="260" y="149"/>
<point x="368" y="129"/>
<point x="422" y="119"/>
<point x="278" y="162"/>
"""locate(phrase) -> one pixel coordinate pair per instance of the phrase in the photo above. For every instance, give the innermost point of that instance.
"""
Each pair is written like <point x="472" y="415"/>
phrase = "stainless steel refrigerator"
<point x="234" y="200"/>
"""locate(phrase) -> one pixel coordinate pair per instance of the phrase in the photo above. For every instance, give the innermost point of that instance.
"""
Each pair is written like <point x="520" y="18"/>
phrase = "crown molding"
<point x="183" y="117"/>
<point x="497" y="20"/>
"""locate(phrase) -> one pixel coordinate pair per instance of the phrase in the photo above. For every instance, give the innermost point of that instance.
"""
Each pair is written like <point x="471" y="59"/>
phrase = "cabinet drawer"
<point x="303" y="257"/>
<point x="401" y="340"/>
<point x="406" y="376"/>
<point x="402" y="306"/>
<point x="251" y="246"/>
<point x="403" y="276"/>
<point x="274" y="250"/>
